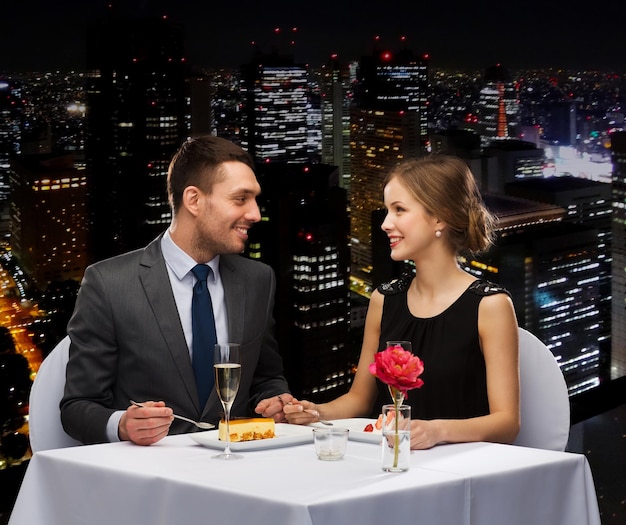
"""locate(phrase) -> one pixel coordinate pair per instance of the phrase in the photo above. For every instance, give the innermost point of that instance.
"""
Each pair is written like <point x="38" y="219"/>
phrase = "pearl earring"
<point x="438" y="233"/>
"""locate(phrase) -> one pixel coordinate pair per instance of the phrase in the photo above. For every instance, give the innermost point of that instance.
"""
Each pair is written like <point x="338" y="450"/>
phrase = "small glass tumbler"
<point x="396" y="442"/>
<point x="330" y="443"/>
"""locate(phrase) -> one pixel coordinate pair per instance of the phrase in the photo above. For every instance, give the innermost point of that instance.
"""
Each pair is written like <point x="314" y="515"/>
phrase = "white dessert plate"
<point x="357" y="425"/>
<point x="285" y="435"/>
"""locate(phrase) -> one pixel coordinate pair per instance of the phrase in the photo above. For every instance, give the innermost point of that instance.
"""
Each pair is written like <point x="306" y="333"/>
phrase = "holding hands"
<point x="300" y="412"/>
<point x="273" y="407"/>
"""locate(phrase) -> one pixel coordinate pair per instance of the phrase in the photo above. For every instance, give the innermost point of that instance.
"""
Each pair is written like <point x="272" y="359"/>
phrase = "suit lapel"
<point x="235" y="298"/>
<point x="155" y="280"/>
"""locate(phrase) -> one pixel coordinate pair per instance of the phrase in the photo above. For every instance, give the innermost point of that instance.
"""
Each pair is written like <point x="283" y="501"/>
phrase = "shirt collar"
<point x="180" y="262"/>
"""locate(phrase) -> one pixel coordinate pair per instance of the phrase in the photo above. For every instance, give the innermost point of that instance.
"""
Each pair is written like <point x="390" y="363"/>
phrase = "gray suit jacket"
<point x="128" y="342"/>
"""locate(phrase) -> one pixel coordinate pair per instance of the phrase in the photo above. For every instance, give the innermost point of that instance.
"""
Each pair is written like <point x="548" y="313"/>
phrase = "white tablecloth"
<point x="177" y="482"/>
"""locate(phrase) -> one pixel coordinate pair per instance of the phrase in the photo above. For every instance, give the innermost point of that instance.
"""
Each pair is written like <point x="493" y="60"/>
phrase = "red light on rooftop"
<point x="377" y="37"/>
<point x="308" y="237"/>
<point x="402" y="39"/>
<point x="294" y="29"/>
<point x="426" y="56"/>
<point x="277" y="30"/>
<point x="386" y="55"/>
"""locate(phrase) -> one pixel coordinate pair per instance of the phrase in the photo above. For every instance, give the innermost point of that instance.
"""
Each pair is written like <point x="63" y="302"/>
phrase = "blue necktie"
<point x="204" y="336"/>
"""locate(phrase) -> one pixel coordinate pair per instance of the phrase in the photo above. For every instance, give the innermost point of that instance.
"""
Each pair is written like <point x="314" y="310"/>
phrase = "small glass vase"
<point x="396" y="442"/>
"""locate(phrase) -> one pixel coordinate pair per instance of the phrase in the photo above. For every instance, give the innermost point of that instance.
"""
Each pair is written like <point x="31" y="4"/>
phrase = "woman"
<point x="463" y="329"/>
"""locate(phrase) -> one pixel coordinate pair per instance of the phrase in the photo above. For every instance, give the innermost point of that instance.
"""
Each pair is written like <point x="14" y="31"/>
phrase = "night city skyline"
<point x="532" y="96"/>
<point x="43" y="36"/>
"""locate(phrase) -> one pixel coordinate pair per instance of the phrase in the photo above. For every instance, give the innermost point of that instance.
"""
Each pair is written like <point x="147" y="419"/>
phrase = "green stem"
<point x="396" y="437"/>
<point x="398" y="399"/>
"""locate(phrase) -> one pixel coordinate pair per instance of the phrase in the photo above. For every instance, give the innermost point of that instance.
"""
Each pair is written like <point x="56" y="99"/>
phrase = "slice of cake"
<point x="248" y="429"/>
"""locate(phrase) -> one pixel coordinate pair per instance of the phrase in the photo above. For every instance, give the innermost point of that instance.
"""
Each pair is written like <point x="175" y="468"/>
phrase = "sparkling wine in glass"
<point x="227" y="365"/>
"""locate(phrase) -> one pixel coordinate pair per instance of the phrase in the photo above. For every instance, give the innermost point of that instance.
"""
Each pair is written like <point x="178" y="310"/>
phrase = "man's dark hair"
<point x="197" y="163"/>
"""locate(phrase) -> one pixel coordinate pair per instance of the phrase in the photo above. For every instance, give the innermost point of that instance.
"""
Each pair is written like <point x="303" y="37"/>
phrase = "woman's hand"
<point x="424" y="434"/>
<point x="301" y="412"/>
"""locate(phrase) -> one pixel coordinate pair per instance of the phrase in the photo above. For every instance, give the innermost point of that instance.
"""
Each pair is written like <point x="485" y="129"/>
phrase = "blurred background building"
<point x="138" y="114"/>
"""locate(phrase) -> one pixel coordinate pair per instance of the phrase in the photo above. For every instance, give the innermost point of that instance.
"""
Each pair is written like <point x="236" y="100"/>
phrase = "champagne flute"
<point x="227" y="365"/>
<point x="405" y="345"/>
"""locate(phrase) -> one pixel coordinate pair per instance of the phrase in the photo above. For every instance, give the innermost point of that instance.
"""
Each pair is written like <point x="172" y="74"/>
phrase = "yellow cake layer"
<point x="248" y="429"/>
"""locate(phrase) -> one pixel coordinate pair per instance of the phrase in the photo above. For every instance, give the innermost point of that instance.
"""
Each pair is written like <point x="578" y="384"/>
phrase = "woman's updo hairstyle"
<point x="446" y="187"/>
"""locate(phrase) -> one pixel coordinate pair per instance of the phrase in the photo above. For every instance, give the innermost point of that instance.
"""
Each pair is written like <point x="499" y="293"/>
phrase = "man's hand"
<point x="147" y="424"/>
<point x="273" y="407"/>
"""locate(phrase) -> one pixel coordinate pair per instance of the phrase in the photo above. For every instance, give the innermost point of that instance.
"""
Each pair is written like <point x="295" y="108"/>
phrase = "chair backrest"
<point x="544" y="400"/>
<point x="44" y="414"/>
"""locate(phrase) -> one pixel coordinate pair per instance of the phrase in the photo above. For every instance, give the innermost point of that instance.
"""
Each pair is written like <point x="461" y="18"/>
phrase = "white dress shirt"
<point x="179" y="266"/>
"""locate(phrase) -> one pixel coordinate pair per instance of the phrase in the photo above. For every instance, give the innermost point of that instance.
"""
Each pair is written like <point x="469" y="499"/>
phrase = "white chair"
<point x="44" y="414"/>
<point x="544" y="400"/>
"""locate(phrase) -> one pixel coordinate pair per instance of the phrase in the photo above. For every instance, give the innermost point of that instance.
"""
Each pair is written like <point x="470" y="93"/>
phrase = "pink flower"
<point x="398" y="368"/>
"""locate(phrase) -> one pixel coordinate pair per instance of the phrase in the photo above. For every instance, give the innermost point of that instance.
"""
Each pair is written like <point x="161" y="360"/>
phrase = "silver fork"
<point x="314" y="413"/>
<point x="199" y="424"/>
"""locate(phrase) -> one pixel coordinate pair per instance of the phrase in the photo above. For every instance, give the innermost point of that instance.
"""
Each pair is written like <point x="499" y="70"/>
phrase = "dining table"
<point x="282" y="482"/>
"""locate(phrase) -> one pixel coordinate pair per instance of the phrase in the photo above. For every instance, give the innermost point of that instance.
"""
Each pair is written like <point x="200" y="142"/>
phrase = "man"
<point x="131" y="331"/>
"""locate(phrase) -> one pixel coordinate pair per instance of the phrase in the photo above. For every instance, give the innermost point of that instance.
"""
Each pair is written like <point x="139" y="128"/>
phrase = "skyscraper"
<point x="587" y="203"/>
<point x="618" y="323"/>
<point x="303" y="235"/>
<point x="379" y="140"/>
<point x="388" y="122"/>
<point x="10" y="143"/>
<point x="550" y="268"/>
<point x="49" y="221"/>
<point x="513" y="160"/>
<point x="138" y="116"/>
<point x="335" y="87"/>
<point x="498" y="107"/>
<point x="274" y="96"/>
<point x="398" y="81"/>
